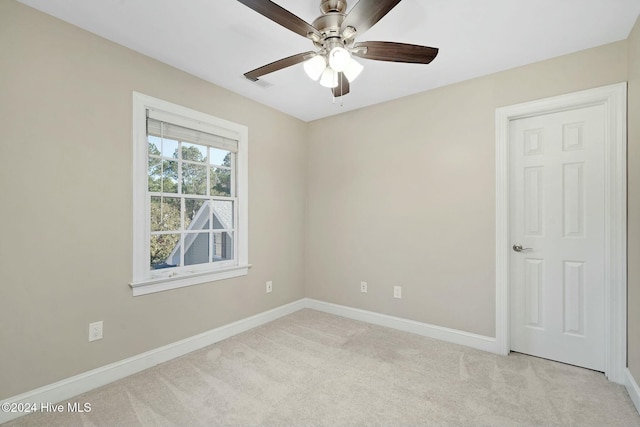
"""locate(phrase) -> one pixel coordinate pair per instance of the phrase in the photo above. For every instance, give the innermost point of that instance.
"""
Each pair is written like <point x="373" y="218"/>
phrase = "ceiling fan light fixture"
<point x="339" y="58"/>
<point x="315" y="66"/>
<point x="329" y="78"/>
<point x="353" y="70"/>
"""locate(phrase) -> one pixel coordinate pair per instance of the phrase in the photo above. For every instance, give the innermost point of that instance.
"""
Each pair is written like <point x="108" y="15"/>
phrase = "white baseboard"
<point x="632" y="388"/>
<point x="479" y="342"/>
<point x="78" y="384"/>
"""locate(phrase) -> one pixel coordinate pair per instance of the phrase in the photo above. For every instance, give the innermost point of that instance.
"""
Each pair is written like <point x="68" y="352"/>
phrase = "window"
<point x="190" y="197"/>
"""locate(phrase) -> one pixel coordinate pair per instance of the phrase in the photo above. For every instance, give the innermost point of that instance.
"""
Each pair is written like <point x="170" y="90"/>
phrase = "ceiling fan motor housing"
<point x="329" y="26"/>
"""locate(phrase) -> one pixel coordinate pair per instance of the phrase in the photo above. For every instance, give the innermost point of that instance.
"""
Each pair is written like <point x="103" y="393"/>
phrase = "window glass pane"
<point x="170" y="148"/>
<point x="194" y="152"/>
<point x="154" y="145"/>
<point x="220" y="182"/>
<point x="222" y="246"/>
<point x="165" y="213"/>
<point x="222" y="214"/>
<point x="219" y="157"/>
<point x="169" y="182"/>
<point x="196" y="214"/>
<point x="194" y="179"/>
<point x="196" y="248"/>
<point x="165" y="251"/>
<point x="154" y="171"/>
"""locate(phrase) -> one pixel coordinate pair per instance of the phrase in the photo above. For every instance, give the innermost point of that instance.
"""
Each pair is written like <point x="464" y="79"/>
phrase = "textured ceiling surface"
<point x="220" y="40"/>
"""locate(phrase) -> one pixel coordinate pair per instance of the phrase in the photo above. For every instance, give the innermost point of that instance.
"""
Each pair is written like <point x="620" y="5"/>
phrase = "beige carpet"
<point x="312" y="368"/>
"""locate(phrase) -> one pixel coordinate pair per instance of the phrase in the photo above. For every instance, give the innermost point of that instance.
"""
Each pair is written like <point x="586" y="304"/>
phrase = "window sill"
<point x="151" y="286"/>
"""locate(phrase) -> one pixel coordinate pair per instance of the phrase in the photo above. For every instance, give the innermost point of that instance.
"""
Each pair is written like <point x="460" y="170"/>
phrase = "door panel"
<point x="557" y="210"/>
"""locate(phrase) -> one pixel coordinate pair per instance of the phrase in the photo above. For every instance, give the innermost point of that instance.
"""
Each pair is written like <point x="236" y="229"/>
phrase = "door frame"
<point x="614" y="100"/>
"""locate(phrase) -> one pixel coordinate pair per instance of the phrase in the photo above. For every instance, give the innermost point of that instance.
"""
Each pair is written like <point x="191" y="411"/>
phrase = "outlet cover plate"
<point x="95" y="331"/>
<point x="397" y="291"/>
<point x="363" y="287"/>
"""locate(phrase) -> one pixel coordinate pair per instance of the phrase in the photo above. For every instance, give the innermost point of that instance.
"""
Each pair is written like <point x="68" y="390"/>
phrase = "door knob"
<point x="519" y="248"/>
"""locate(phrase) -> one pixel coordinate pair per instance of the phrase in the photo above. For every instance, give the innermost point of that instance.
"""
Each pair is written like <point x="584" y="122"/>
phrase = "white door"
<point x="557" y="217"/>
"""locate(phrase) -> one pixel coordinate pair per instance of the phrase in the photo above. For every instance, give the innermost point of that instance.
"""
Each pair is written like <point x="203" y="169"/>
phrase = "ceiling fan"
<point x="333" y="33"/>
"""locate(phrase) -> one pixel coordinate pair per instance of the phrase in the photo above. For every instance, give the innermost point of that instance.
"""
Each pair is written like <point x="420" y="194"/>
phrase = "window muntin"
<point x="190" y="197"/>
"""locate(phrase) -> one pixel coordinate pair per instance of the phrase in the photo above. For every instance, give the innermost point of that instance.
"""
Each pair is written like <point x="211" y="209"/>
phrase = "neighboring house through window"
<point x="190" y="197"/>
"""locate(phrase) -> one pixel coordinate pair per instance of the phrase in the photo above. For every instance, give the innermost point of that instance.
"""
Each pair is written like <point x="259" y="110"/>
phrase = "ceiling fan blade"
<point x="366" y="13"/>
<point x="396" y="52"/>
<point x="278" y="65"/>
<point x="343" y="86"/>
<point x="281" y="16"/>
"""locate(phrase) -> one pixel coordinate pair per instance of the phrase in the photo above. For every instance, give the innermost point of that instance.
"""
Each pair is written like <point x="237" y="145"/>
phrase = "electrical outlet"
<point x="397" y="291"/>
<point x="269" y="286"/>
<point x="95" y="331"/>
<point x="363" y="287"/>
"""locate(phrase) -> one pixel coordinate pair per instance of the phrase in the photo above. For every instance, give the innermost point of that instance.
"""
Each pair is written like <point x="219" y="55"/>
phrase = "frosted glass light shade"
<point x="315" y="66"/>
<point x="339" y="58"/>
<point x="329" y="78"/>
<point x="353" y="70"/>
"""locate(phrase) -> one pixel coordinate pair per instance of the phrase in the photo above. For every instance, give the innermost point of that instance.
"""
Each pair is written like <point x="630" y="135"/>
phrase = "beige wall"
<point x="633" y="230"/>
<point x="65" y="183"/>
<point x="403" y="193"/>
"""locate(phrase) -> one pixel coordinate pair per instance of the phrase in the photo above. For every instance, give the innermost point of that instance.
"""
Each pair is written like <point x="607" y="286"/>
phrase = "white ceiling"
<point x="219" y="40"/>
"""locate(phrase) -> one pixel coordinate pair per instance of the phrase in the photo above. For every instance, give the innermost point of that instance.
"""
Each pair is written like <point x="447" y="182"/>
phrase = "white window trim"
<point x="142" y="283"/>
